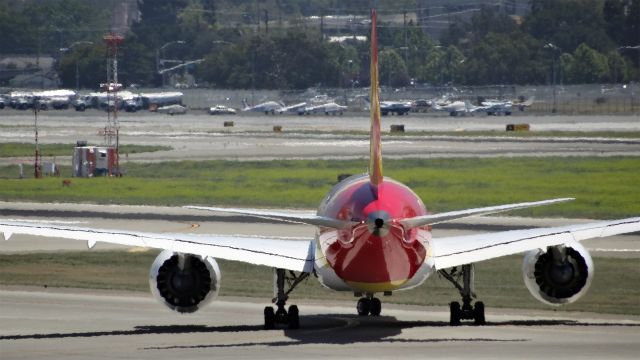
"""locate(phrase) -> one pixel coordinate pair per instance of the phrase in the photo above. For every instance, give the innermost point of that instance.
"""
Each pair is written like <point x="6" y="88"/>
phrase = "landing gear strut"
<point x="369" y="306"/>
<point x="281" y="316"/>
<point x="467" y="311"/>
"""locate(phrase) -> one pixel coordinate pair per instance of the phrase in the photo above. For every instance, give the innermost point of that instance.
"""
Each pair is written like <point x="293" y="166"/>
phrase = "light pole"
<point x="70" y="47"/>
<point x="160" y="51"/>
<point x="555" y="50"/>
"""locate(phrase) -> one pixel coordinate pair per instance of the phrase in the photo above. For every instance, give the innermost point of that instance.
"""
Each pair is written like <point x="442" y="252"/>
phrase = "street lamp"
<point x="160" y="51"/>
<point x="555" y="50"/>
<point x="70" y="47"/>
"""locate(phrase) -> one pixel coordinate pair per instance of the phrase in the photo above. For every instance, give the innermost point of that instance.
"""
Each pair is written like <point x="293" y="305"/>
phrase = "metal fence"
<point x="562" y="99"/>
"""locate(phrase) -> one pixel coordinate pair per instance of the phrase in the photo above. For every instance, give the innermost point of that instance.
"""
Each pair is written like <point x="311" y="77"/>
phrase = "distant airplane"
<point x="497" y="107"/>
<point x="269" y="107"/>
<point x="330" y="108"/>
<point x="373" y="237"/>
<point x="458" y="108"/>
<point x="294" y="109"/>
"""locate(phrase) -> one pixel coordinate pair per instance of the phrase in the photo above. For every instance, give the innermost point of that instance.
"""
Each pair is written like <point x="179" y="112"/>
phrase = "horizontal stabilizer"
<point x="410" y="223"/>
<point x="309" y="219"/>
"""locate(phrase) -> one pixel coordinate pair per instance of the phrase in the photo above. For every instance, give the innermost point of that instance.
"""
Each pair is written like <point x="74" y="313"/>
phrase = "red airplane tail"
<point x="375" y="146"/>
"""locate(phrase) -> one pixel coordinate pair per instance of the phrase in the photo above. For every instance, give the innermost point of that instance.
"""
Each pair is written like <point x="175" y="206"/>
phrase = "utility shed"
<point x="89" y="161"/>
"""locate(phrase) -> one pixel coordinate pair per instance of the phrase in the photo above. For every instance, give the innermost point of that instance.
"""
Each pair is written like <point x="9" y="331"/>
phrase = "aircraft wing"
<point x="460" y="250"/>
<point x="299" y="218"/>
<point x="284" y="253"/>
<point x="417" y="221"/>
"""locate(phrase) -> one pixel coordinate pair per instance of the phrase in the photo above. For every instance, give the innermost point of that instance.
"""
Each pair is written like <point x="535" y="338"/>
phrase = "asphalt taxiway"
<point x="77" y="324"/>
<point x="90" y="324"/>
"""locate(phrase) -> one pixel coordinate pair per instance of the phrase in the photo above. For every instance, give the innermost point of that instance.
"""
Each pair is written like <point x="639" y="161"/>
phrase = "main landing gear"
<point x="467" y="311"/>
<point x="369" y="306"/>
<point x="281" y="316"/>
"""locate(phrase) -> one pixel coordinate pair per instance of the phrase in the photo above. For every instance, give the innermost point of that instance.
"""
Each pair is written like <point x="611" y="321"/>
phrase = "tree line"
<point x="558" y="41"/>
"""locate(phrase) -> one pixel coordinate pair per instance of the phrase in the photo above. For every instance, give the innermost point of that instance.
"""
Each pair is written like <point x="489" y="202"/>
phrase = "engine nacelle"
<point x="184" y="282"/>
<point x="561" y="275"/>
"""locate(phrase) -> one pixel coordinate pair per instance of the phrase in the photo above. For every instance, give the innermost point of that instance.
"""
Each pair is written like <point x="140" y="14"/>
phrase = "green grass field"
<point x="605" y="188"/>
<point x="498" y="282"/>
<point x="28" y="149"/>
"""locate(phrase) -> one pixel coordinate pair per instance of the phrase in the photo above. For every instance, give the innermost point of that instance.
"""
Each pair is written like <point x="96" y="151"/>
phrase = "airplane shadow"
<point x="338" y="329"/>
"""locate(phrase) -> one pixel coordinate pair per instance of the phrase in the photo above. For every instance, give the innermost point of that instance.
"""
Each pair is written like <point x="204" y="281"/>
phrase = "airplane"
<point x="294" y="109"/>
<point x="457" y="108"/>
<point x="373" y="237"/>
<point x="269" y="107"/>
<point x="330" y="108"/>
<point x="497" y="107"/>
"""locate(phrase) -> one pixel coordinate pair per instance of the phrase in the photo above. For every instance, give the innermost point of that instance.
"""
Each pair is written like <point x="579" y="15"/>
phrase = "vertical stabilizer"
<point x="375" y="161"/>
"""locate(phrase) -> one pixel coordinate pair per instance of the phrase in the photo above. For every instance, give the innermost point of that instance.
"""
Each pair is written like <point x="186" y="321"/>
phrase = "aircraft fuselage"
<point x="377" y="254"/>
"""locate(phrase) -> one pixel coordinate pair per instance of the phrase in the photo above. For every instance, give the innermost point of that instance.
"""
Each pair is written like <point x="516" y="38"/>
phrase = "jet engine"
<point x="559" y="275"/>
<point x="184" y="282"/>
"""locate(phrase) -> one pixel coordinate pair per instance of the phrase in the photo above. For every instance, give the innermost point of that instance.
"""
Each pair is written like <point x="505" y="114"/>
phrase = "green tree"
<point x="393" y="71"/>
<point x="587" y="66"/>
<point x="569" y="23"/>
<point x="442" y="66"/>
<point x="18" y="34"/>
<point x="505" y="59"/>
<point x="614" y="17"/>
<point x="91" y="65"/>
<point x="619" y="71"/>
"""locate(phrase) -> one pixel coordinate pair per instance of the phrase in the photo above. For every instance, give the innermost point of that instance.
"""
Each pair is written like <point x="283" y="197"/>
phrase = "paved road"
<point x="76" y="324"/>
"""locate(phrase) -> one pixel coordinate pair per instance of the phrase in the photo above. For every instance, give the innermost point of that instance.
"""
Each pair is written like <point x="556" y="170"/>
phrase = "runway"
<point x="77" y="324"/>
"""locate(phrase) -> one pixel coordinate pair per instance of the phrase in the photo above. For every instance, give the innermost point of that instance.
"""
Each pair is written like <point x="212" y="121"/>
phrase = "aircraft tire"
<point x="455" y="313"/>
<point x="269" y="318"/>
<point x="478" y="313"/>
<point x="363" y="307"/>
<point x="294" y="317"/>
<point x="376" y="307"/>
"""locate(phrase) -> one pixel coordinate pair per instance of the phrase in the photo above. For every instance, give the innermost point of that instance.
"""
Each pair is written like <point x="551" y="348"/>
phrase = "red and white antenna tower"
<point x="112" y="130"/>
